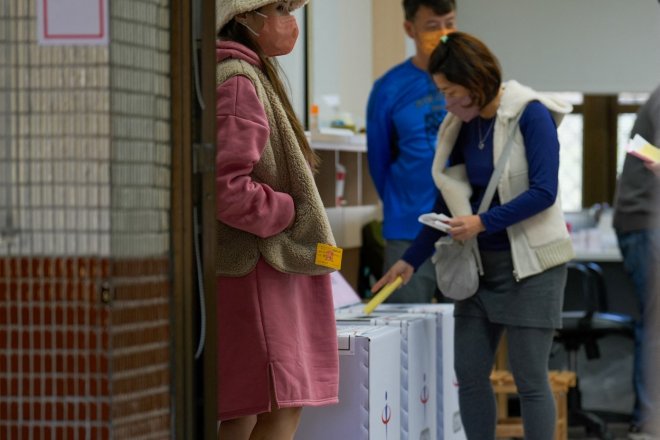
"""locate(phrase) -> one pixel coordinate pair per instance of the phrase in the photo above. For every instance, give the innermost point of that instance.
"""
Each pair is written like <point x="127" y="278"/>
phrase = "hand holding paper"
<point x="640" y="147"/>
<point x="437" y="221"/>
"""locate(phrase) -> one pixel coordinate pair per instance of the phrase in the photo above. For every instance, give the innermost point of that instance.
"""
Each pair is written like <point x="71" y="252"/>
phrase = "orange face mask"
<point x="429" y="40"/>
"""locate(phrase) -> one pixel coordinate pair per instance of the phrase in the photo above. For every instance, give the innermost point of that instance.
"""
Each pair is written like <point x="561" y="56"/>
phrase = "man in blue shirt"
<point x="404" y="112"/>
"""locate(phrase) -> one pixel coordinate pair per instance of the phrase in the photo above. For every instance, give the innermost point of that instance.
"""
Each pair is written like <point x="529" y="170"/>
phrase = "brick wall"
<point x="79" y="359"/>
<point x="140" y="341"/>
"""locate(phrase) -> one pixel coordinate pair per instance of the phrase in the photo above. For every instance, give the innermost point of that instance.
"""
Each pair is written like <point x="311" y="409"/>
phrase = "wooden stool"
<point x="560" y="382"/>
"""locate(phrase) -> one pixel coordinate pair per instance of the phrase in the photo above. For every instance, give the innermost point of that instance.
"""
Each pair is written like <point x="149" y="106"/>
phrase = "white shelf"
<point x="347" y="221"/>
<point x="597" y="244"/>
<point x="356" y="143"/>
<point x="606" y="256"/>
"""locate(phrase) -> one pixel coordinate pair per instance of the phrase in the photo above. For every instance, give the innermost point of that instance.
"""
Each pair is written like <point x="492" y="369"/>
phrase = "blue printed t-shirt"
<point x="404" y="112"/>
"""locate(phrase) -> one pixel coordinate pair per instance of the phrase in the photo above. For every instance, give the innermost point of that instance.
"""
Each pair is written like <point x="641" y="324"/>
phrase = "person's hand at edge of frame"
<point x="400" y="268"/>
<point x="654" y="167"/>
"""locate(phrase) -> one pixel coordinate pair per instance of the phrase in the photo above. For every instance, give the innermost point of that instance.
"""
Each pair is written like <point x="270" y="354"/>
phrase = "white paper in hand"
<point x="437" y="221"/>
<point x="640" y="147"/>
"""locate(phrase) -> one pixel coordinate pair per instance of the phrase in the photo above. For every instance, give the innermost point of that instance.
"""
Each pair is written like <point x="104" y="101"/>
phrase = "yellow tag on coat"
<point x="328" y="256"/>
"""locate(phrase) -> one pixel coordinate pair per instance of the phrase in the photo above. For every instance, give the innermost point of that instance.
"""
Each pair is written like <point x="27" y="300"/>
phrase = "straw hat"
<point x="225" y="10"/>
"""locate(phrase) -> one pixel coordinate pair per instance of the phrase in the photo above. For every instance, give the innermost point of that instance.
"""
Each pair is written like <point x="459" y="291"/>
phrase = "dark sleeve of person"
<point x="542" y="149"/>
<point x="643" y="121"/>
<point x="424" y="244"/>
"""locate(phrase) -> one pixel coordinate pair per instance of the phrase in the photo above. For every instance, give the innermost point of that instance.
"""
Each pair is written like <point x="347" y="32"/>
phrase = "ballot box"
<point x="369" y="389"/>
<point x="418" y="366"/>
<point x="449" y="425"/>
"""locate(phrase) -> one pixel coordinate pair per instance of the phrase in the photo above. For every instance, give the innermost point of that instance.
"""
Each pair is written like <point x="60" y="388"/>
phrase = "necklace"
<point x="482" y="139"/>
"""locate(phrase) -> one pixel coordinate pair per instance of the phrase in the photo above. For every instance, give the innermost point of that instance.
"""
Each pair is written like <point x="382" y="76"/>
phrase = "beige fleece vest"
<point x="538" y="242"/>
<point x="283" y="167"/>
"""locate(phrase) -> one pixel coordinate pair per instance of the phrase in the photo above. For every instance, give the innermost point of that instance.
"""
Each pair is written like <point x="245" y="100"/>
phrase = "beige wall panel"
<point x="388" y="35"/>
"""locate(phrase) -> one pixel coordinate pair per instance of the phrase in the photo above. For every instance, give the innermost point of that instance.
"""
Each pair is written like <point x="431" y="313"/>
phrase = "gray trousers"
<point x="475" y="342"/>
<point x="421" y="287"/>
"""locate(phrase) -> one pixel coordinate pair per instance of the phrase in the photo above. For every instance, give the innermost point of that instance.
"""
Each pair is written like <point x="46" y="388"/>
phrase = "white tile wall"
<point x="85" y="136"/>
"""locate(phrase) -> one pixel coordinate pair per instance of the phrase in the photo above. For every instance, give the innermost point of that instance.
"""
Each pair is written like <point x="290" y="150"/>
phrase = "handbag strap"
<point x="499" y="168"/>
<point x="490" y="190"/>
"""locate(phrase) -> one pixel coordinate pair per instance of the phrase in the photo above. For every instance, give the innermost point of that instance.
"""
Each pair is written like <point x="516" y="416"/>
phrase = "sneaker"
<point x="635" y="433"/>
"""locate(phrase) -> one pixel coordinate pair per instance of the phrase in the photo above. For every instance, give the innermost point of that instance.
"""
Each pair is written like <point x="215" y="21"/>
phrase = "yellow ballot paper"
<point x="382" y="295"/>
<point x="640" y="147"/>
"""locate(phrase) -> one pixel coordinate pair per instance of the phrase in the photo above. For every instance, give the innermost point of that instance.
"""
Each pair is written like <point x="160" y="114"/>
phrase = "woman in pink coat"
<point x="277" y="342"/>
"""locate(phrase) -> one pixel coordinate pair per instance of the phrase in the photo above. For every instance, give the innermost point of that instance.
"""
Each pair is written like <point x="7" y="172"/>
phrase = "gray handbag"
<point x="458" y="263"/>
<point x="457" y="267"/>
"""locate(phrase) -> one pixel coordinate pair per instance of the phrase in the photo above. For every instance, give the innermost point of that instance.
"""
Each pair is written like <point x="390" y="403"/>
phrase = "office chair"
<point x="585" y="320"/>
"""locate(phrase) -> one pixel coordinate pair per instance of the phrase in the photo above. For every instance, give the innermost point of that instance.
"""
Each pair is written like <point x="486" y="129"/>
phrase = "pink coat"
<point x="272" y="326"/>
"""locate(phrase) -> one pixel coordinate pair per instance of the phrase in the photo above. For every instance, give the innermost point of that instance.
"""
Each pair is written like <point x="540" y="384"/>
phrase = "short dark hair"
<point x="465" y="60"/>
<point x="440" y="7"/>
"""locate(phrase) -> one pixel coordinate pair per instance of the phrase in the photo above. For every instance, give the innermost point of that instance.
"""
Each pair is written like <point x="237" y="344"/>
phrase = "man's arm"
<point x="647" y="125"/>
<point x="380" y="130"/>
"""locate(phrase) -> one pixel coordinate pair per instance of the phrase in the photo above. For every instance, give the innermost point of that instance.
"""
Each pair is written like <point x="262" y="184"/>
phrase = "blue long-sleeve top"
<point x="542" y="151"/>
<point x="404" y="112"/>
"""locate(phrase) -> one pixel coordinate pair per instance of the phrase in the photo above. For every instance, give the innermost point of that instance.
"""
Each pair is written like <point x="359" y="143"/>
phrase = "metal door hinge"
<point x="203" y="158"/>
<point x="106" y="292"/>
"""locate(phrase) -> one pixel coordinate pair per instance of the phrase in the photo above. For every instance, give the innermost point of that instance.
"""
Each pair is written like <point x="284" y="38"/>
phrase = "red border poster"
<point x="72" y="22"/>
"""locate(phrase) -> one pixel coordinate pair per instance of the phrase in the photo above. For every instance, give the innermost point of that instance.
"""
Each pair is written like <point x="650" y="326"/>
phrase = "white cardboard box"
<point x="449" y="422"/>
<point x="418" y="372"/>
<point x="369" y="397"/>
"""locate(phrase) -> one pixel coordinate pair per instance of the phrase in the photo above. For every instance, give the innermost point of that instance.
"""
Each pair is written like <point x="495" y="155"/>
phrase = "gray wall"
<point x="589" y="46"/>
<point x="341" y="56"/>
